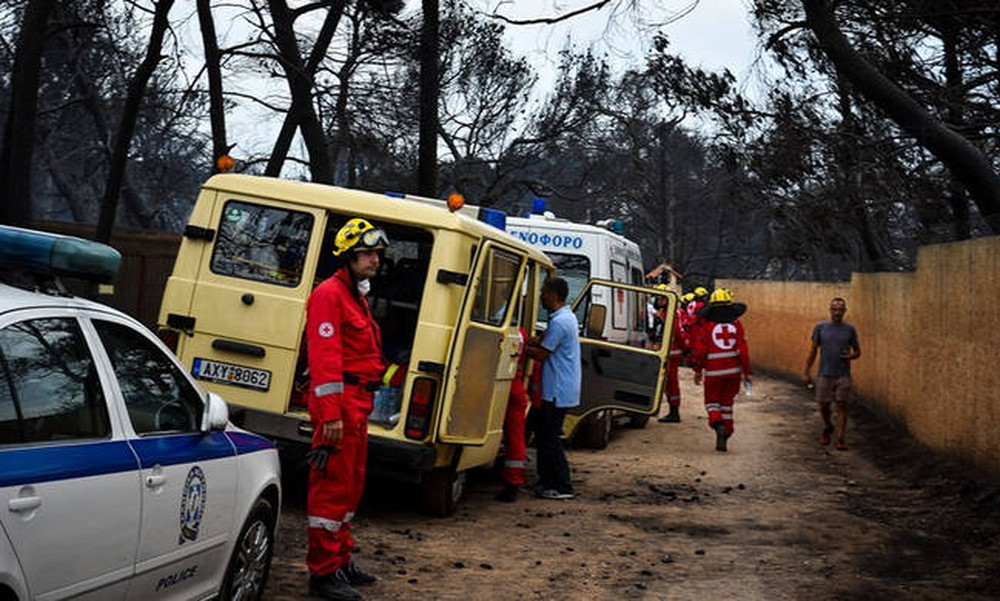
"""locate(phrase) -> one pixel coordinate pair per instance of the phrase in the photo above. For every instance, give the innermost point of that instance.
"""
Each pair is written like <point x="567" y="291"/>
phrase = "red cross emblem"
<point x="724" y="336"/>
<point x="326" y="329"/>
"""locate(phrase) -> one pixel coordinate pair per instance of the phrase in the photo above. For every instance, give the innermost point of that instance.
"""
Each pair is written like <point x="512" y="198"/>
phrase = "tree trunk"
<point x="968" y="164"/>
<point x="130" y="113"/>
<point x="956" y="118"/>
<point x="291" y="122"/>
<point x="19" y="133"/>
<point x="213" y="64"/>
<point x="429" y="92"/>
<point x="300" y="85"/>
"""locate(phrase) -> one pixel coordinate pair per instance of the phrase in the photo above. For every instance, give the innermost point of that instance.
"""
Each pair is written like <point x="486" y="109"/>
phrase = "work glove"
<point x="318" y="456"/>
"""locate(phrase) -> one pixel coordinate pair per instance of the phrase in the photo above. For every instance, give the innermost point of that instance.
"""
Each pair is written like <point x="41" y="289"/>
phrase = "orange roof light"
<point x="455" y="202"/>
<point x="225" y="163"/>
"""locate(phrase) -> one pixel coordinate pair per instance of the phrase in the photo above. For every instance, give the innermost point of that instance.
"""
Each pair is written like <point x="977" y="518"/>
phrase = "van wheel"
<point x="251" y="559"/>
<point x="637" y="422"/>
<point x="597" y="434"/>
<point x="442" y="490"/>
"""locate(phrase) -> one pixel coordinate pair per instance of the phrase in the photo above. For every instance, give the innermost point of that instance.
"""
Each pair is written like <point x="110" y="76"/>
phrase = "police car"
<point x="119" y="477"/>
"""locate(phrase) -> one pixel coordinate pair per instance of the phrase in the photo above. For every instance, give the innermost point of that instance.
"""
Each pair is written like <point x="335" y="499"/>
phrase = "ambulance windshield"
<point x="575" y="269"/>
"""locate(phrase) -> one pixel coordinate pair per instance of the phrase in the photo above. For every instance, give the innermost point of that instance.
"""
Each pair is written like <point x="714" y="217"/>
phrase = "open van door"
<point x="618" y="375"/>
<point x="484" y="353"/>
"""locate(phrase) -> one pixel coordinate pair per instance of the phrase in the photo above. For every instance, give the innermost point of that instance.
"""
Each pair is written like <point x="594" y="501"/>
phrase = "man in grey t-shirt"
<point x="837" y="342"/>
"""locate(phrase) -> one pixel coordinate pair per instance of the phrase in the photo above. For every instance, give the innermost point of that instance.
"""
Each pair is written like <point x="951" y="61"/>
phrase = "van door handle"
<point x="24" y="504"/>
<point x="155" y="481"/>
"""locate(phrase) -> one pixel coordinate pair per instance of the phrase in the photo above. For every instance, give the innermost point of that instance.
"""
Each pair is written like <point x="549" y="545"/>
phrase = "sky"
<point x="713" y="34"/>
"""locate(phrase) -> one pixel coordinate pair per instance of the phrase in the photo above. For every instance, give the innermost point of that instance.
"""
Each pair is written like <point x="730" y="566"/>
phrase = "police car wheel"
<point x="251" y="559"/>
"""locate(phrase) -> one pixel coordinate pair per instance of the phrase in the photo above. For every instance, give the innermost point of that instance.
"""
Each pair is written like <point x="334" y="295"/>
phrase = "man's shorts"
<point x="833" y="388"/>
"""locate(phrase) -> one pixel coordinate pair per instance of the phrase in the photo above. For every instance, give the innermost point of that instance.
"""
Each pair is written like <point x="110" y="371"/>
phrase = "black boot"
<point x="356" y="576"/>
<point x="334" y="587"/>
<point x="673" y="417"/>
<point x="720" y="437"/>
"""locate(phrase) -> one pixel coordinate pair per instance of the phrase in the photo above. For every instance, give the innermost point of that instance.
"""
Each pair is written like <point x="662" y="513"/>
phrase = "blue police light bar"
<point x="618" y="226"/>
<point x="538" y="207"/>
<point x="395" y="195"/>
<point x="53" y="254"/>
<point x="497" y="219"/>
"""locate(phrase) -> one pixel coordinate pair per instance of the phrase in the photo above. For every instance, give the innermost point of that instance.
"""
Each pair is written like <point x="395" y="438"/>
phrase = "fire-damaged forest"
<point x="875" y="132"/>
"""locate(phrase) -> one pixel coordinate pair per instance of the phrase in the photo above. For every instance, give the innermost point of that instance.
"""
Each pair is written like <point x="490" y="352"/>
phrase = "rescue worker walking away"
<point x="346" y="367"/>
<point x="722" y="359"/>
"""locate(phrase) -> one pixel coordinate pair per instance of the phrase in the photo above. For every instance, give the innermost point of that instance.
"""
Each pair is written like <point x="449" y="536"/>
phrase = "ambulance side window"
<point x="53" y="385"/>
<point x="158" y="397"/>
<point x="260" y="243"/>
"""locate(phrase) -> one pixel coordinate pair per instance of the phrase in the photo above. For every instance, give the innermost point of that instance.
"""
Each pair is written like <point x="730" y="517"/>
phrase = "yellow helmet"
<point x="358" y="233"/>
<point x="701" y="291"/>
<point x="688" y="297"/>
<point x="721" y="296"/>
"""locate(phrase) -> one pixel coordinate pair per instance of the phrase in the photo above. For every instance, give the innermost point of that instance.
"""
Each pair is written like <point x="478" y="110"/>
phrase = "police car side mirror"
<point x="216" y="414"/>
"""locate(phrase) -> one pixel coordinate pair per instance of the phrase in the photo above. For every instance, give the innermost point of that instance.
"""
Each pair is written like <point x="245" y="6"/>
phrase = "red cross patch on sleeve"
<point x="326" y="329"/>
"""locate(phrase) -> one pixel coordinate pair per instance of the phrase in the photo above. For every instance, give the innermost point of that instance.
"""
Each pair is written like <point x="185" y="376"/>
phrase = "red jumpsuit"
<point x="721" y="350"/>
<point x="345" y="366"/>
<point x="678" y="346"/>
<point x="515" y="452"/>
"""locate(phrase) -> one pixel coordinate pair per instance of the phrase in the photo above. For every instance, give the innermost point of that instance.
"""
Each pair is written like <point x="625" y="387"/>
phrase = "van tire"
<point x="637" y="422"/>
<point x="597" y="431"/>
<point x="442" y="490"/>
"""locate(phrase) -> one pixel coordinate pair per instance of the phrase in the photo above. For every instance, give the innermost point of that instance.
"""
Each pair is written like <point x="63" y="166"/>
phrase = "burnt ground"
<point x="661" y="515"/>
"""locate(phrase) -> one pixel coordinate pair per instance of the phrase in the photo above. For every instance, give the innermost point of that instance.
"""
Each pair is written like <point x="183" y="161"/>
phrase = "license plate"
<point x="234" y="375"/>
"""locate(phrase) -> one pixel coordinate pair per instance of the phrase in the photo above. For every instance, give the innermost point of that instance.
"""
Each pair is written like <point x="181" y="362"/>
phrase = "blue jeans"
<point x="553" y="469"/>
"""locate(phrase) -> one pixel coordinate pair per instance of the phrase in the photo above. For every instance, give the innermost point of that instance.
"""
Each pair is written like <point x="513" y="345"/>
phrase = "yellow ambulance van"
<point x="449" y="298"/>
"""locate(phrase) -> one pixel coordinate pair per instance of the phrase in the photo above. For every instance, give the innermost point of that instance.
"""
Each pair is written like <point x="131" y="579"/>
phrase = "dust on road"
<point x="661" y="515"/>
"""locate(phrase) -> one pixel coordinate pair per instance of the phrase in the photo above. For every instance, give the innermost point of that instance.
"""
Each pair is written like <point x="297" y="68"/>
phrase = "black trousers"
<point x="553" y="468"/>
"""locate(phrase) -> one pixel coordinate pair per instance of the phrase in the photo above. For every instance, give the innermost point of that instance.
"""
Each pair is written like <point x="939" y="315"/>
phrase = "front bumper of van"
<point x="388" y="458"/>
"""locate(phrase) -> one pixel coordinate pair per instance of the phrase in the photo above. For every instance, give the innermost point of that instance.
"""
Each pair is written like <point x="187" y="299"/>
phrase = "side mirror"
<point x="595" y="321"/>
<point x="216" y="416"/>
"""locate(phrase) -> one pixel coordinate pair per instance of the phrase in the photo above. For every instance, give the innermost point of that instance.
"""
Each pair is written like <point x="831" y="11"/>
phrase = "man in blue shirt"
<point x="559" y="353"/>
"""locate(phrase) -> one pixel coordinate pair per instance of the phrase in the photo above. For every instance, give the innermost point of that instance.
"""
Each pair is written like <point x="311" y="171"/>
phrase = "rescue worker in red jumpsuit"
<point x="346" y="367"/>
<point x="678" y="348"/>
<point x="693" y="321"/>
<point x="722" y="359"/>
<point x="515" y="451"/>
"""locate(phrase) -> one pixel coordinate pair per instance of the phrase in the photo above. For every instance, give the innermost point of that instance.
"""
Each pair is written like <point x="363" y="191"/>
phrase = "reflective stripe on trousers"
<point x="723" y="372"/>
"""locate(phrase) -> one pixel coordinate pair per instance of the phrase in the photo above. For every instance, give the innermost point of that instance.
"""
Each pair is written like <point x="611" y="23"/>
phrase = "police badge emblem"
<point x="193" y="504"/>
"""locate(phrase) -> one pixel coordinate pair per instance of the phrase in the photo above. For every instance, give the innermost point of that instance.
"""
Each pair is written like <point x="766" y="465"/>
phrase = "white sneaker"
<point x="551" y="493"/>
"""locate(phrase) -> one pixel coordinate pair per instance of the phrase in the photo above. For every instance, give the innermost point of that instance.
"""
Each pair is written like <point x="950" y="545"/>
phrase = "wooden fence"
<point x="930" y="341"/>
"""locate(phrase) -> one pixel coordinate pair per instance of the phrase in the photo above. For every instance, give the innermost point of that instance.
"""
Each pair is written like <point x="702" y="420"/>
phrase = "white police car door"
<point x="618" y="375"/>
<point x="69" y="493"/>
<point x="188" y="478"/>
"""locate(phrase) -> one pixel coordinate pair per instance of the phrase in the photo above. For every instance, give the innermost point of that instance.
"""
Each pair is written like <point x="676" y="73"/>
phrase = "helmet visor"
<point x="374" y="238"/>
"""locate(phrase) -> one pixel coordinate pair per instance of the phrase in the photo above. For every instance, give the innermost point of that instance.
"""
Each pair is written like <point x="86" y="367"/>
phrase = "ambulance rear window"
<point x="261" y="243"/>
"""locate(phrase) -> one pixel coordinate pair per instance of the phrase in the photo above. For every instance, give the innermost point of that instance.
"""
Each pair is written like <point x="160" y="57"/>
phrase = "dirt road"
<point x="661" y="515"/>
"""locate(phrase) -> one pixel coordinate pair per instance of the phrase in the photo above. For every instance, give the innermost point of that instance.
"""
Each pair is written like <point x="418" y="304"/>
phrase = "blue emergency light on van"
<point x="53" y="254"/>
<point x="538" y="206"/>
<point x="497" y="219"/>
